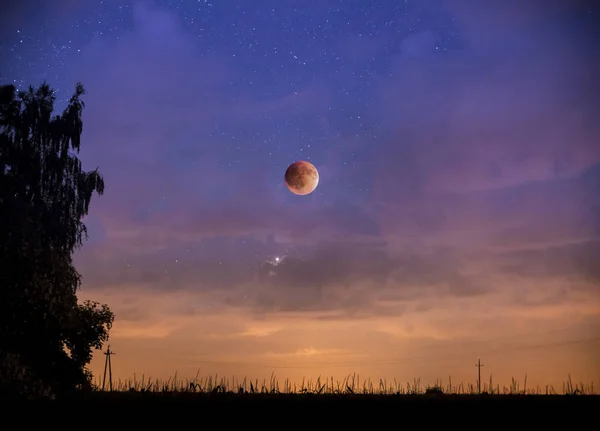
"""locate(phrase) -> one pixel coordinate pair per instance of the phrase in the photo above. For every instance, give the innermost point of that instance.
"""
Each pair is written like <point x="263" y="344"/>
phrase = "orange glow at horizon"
<point x="548" y="345"/>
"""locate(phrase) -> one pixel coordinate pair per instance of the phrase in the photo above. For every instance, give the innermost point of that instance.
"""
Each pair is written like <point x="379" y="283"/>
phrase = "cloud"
<point x="492" y="140"/>
<point x="155" y="106"/>
<point x="337" y="281"/>
<point x="500" y="109"/>
<point x="576" y="260"/>
<point x="334" y="279"/>
<point x="482" y="153"/>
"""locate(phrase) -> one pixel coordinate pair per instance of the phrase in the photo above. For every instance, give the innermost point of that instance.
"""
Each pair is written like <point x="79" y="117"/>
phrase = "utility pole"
<point x="479" y="365"/>
<point x="108" y="365"/>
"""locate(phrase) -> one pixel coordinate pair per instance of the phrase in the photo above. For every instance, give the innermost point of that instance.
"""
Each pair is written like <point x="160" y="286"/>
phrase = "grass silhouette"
<point x="323" y="401"/>
<point x="351" y="385"/>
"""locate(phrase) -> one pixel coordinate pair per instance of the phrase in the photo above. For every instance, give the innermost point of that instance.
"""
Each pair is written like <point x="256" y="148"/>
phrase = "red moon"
<point x="301" y="178"/>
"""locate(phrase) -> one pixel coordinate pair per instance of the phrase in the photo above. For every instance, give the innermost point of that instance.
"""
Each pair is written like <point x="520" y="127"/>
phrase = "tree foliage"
<point x="46" y="336"/>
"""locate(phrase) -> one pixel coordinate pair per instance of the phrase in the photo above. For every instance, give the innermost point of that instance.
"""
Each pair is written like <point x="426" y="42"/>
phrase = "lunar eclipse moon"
<point x="301" y="178"/>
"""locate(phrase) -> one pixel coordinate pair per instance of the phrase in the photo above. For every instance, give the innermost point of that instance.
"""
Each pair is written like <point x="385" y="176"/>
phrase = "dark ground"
<point x="176" y="410"/>
<point x="350" y="403"/>
<point x="359" y="399"/>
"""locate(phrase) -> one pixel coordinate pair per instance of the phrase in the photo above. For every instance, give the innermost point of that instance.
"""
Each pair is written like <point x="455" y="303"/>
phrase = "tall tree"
<point x="46" y="336"/>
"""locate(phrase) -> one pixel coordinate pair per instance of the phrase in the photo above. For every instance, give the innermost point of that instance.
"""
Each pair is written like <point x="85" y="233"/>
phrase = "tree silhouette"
<point x="46" y="336"/>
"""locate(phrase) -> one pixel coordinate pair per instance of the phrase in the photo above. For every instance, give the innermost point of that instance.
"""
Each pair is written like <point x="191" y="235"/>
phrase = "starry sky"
<point x="457" y="213"/>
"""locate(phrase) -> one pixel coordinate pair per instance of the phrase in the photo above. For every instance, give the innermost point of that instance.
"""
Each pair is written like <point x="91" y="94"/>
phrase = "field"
<point x="351" y="385"/>
<point x="350" y="396"/>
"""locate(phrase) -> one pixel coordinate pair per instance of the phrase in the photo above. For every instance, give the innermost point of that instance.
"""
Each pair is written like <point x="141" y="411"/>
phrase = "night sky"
<point x="457" y="215"/>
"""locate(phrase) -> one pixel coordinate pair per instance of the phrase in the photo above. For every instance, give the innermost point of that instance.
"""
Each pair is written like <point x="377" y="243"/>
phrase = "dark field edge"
<point x="177" y="410"/>
<point x="260" y="398"/>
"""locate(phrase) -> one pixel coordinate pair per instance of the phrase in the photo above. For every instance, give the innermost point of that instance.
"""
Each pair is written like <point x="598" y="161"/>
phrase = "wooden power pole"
<point x="479" y="365"/>
<point x="108" y="365"/>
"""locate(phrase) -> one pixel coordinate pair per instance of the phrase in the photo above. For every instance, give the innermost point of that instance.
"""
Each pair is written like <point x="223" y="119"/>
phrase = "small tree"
<point x="46" y="337"/>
